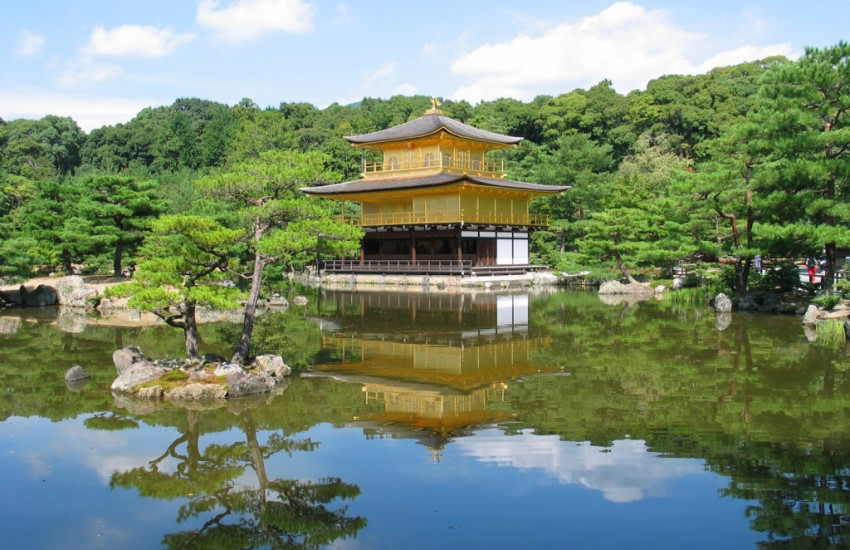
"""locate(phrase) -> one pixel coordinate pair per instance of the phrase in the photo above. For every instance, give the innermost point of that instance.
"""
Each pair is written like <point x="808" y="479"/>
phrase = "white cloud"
<point x="135" y="40"/>
<point x="624" y="472"/>
<point x="89" y="111"/>
<point x="29" y="44"/>
<point x="247" y="19"/>
<point x="625" y="43"/>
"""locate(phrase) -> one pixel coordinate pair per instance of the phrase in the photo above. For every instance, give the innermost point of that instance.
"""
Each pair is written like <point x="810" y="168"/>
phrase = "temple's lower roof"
<point x="433" y="180"/>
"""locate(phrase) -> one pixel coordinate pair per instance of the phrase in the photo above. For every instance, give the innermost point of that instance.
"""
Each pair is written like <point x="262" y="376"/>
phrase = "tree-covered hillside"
<point x="706" y="169"/>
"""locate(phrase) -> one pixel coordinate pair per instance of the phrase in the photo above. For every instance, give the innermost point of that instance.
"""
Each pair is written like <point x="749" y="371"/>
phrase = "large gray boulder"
<point x="247" y="384"/>
<point x="128" y="358"/>
<point x="611" y="287"/>
<point x="66" y="286"/>
<point x="722" y="303"/>
<point x="633" y="289"/>
<point x="140" y="373"/>
<point x="76" y="374"/>
<point x="272" y="366"/>
<point x="811" y="316"/>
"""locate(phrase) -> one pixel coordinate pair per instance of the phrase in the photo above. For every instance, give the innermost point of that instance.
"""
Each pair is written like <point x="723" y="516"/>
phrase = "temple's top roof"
<point x="428" y="124"/>
<point x="443" y="178"/>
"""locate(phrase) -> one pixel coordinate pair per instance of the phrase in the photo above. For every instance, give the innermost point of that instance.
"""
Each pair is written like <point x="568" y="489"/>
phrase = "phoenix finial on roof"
<point x="434" y="104"/>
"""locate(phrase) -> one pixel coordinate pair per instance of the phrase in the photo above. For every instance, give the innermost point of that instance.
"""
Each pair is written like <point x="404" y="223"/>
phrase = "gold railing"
<point x="445" y="163"/>
<point x="444" y="217"/>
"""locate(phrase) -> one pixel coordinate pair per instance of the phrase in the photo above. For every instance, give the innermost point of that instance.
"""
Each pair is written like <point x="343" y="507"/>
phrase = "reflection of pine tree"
<point x="797" y="509"/>
<point x="802" y="494"/>
<point x="277" y="513"/>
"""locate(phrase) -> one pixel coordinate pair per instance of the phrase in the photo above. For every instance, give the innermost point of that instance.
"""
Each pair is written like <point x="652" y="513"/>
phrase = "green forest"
<point x="706" y="170"/>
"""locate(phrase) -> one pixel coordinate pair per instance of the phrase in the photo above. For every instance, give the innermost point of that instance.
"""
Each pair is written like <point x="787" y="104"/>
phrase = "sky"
<point x="100" y="62"/>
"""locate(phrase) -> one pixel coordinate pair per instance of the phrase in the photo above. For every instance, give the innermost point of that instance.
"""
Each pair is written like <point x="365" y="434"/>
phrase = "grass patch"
<point x="168" y="381"/>
<point x="687" y="295"/>
<point x="831" y="332"/>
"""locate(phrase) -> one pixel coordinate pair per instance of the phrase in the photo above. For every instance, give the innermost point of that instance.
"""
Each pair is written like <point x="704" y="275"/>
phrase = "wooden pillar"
<point x="460" y="252"/>
<point x="413" y="247"/>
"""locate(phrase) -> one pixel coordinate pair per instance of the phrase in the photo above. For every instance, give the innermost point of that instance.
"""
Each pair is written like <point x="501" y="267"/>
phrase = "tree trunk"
<point x="623" y="269"/>
<point x="66" y="261"/>
<point x="241" y="353"/>
<point x="742" y="274"/>
<point x="116" y="260"/>
<point x="829" y="270"/>
<point x="190" y="331"/>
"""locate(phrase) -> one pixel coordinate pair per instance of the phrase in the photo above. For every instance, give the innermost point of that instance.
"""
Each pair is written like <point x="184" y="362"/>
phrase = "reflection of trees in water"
<point x="802" y="498"/>
<point x="803" y="492"/>
<point x="767" y="412"/>
<point x="276" y="513"/>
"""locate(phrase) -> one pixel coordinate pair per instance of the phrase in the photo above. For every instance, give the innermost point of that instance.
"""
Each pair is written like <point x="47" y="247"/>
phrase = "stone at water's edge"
<point x="197" y="391"/>
<point x="245" y="383"/>
<point x="272" y="365"/>
<point x="811" y="316"/>
<point x="722" y="303"/>
<point x="76" y="373"/>
<point x="126" y="358"/>
<point x="616" y="287"/>
<point x="139" y="374"/>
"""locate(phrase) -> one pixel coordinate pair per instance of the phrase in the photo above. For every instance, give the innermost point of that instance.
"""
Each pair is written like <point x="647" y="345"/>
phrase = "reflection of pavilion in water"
<point x="434" y="363"/>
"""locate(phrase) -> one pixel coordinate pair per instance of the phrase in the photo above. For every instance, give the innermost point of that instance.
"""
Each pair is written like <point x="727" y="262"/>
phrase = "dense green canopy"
<point x="699" y="169"/>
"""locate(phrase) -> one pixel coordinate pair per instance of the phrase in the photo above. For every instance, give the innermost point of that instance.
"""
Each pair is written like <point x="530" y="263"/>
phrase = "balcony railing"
<point x="444" y="163"/>
<point x="445" y="267"/>
<point x="445" y="217"/>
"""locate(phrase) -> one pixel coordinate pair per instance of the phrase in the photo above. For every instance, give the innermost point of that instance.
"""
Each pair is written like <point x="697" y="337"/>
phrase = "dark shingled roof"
<point x="386" y="184"/>
<point x="429" y="124"/>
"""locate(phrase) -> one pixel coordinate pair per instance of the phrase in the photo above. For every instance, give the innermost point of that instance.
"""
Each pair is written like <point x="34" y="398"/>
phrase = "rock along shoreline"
<point x="210" y="377"/>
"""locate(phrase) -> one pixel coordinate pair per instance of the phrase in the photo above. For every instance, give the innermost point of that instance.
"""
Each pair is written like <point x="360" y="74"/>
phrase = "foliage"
<point x="827" y="301"/>
<point x="121" y="208"/>
<point x="832" y="332"/>
<point x="688" y="295"/>
<point x="187" y="261"/>
<point x="282" y="223"/>
<point x="842" y="286"/>
<point x="741" y="161"/>
<point x="782" y="278"/>
<point x="804" y="119"/>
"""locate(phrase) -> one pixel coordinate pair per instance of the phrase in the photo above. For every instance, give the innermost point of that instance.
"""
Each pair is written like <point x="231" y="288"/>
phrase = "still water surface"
<point x="429" y="420"/>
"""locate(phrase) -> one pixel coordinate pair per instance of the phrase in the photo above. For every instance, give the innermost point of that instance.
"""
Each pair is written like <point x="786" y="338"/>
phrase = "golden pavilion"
<point x="436" y="204"/>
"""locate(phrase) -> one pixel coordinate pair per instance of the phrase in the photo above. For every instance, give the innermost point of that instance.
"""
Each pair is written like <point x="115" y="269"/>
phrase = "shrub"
<point x="842" y="286"/>
<point x="827" y="301"/>
<point x="784" y="278"/>
<point x="692" y="280"/>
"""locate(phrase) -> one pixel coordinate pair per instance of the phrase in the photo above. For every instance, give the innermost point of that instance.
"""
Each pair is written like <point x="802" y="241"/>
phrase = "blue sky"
<point x="102" y="61"/>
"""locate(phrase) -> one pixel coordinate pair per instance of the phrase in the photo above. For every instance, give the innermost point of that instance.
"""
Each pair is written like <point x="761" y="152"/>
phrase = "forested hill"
<point x="668" y="159"/>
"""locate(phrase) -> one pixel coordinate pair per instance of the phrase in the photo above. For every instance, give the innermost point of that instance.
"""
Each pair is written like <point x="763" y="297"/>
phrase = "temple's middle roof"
<point x="388" y="184"/>
<point x="429" y="124"/>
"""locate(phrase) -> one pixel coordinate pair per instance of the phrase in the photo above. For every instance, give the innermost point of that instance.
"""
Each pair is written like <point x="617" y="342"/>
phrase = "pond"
<point x="438" y="420"/>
